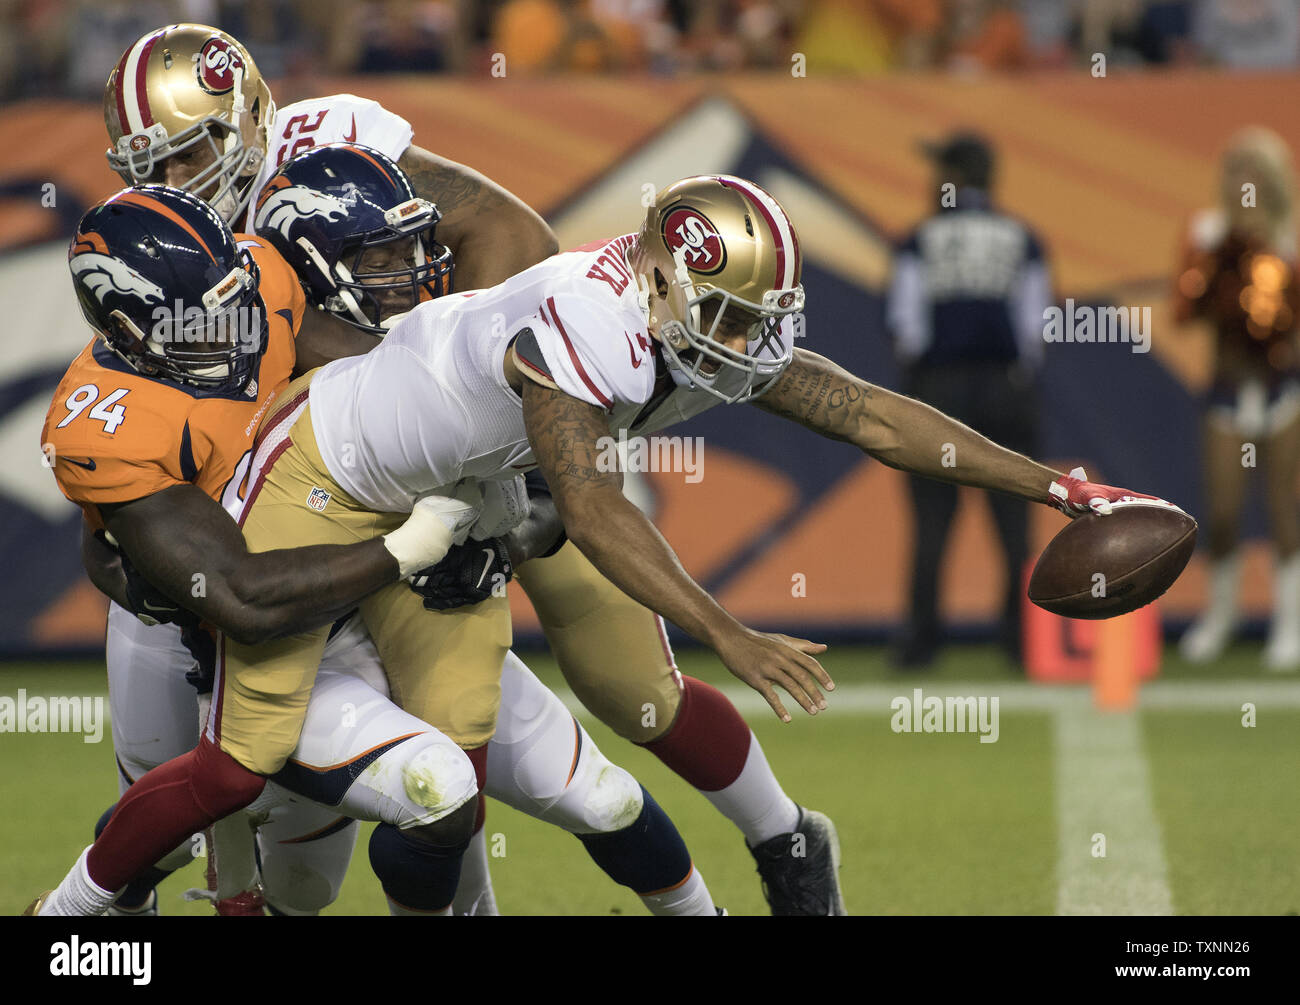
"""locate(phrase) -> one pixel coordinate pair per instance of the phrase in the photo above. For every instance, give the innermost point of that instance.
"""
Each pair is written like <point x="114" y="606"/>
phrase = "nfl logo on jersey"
<point x="318" y="499"/>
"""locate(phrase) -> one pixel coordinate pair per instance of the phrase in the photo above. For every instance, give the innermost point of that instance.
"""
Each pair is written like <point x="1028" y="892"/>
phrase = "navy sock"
<point x="648" y="856"/>
<point x="416" y="874"/>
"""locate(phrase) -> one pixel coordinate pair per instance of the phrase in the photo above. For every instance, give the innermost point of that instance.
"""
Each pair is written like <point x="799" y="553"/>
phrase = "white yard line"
<point x="1103" y="792"/>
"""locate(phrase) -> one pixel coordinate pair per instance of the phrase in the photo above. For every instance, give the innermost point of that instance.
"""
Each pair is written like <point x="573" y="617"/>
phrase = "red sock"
<point x="165" y="807"/>
<point x="708" y="742"/>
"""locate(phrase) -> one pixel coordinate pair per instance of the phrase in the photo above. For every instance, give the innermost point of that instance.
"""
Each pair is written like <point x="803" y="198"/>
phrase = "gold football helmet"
<point x="183" y="85"/>
<point x="729" y="259"/>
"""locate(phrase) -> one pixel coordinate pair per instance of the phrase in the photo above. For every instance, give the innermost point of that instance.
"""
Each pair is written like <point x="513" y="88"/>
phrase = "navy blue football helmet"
<point x="348" y="221"/>
<point x="160" y="279"/>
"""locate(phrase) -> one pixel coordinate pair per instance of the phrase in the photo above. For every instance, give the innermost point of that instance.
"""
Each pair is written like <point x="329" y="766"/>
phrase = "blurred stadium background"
<point x="823" y="102"/>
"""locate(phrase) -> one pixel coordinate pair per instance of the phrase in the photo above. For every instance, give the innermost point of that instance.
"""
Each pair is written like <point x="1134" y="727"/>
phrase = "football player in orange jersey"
<point x="197" y="342"/>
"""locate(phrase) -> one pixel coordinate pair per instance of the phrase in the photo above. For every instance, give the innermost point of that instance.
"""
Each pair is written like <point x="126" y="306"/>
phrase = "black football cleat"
<point x="800" y="870"/>
<point x="149" y="909"/>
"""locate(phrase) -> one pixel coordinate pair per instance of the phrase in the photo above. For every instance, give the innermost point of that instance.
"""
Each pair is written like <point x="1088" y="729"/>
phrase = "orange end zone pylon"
<point x="1116" y="655"/>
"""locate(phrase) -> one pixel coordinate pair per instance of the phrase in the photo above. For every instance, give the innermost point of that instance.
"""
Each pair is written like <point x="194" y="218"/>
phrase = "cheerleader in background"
<point x="1238" y="273"/>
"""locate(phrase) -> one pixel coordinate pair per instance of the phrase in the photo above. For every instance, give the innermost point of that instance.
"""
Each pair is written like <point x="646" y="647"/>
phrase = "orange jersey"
<point x="113" y="435"/>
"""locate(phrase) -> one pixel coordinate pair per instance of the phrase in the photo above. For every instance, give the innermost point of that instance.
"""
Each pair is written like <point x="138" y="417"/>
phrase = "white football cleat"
<point x="1206" y="640"/>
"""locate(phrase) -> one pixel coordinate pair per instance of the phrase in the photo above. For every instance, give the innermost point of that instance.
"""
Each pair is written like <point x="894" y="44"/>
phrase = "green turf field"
<point x="1200" y="814"/>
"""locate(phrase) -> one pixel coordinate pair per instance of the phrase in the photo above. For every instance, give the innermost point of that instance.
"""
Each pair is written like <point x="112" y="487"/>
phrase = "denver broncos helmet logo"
<point x="689" y="231"/>
<point x="104" y="274"/>
<point x="280" y="208"/>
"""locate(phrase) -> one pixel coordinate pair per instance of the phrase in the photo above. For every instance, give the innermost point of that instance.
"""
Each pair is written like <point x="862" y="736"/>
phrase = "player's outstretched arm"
<point x="626" y="547"/>
<point x="899" y="431"/>
<point x="187" y="546"/>
<point x="492" y="234"/>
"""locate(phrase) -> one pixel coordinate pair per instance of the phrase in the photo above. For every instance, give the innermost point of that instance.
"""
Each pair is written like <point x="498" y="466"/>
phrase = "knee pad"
<point x="611" y="798"/>
<point x="418" y="782"/>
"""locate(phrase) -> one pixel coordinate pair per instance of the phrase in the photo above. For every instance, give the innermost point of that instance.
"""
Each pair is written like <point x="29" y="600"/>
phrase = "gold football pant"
<point x="263" y="690"/>
<point x="613" y="652"/>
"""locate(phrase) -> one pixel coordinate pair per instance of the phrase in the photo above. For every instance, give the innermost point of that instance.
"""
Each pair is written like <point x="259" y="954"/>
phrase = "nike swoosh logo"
<point x="153" y="608"/>
<point x="352" y="136"/>
<point x="88" y="463"/>
<point x="486" y="565"/>
<point x="287" y="314"/>
<point x="631" y="351"/>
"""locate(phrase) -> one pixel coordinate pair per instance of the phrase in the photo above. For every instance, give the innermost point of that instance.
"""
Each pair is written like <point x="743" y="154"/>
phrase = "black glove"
<point x="203" y="647"/>
<point x="467" y="575"/>
<point x="150" y="604"/>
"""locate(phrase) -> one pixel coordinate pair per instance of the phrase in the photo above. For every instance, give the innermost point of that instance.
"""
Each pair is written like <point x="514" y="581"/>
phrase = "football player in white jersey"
<point x="186" y="105"/>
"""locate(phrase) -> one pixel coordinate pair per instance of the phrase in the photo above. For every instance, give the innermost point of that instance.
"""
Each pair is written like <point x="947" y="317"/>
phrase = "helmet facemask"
<point x="225" y="184"/>
<point x="697" y="360"/>
<point x="232" y="315"/>
<point x="363" y="280"/>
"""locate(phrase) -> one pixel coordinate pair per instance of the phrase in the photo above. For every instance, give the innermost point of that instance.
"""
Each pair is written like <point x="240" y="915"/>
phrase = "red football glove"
<point x="1074" y="495"/>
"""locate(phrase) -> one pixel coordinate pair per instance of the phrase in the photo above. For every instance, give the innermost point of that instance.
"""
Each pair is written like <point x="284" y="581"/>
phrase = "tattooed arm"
<point x="492" y="234"/>
<point x="899" y="431"/>
<point x="625" y="546"/>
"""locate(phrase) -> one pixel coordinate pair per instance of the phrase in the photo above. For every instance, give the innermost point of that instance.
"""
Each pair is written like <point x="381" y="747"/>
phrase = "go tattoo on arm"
<point x="826" y="398"/>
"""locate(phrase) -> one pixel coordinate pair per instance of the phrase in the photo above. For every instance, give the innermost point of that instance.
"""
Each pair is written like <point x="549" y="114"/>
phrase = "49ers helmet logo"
<point x="216" y="65"/>
<point x="689" y="230"/>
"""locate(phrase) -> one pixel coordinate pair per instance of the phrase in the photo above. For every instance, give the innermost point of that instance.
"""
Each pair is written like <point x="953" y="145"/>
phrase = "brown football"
<point x="1103" y="566"/>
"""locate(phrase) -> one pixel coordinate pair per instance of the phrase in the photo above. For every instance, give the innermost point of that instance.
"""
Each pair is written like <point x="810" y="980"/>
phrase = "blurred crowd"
<point x="62" y="46"/>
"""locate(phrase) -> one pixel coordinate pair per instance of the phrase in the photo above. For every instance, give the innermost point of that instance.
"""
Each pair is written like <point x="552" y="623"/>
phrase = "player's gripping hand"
<point x="435" y="524"/>
<point x="469" y="574"/>
<point x="1074" y="495"/>
<point x="763" y="660"/>
<point x="151" y="605"/>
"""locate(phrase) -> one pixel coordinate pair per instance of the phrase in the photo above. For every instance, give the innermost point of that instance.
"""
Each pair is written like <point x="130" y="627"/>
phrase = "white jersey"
<point x="430" y="406"/>
<point x="336" y="118"/>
